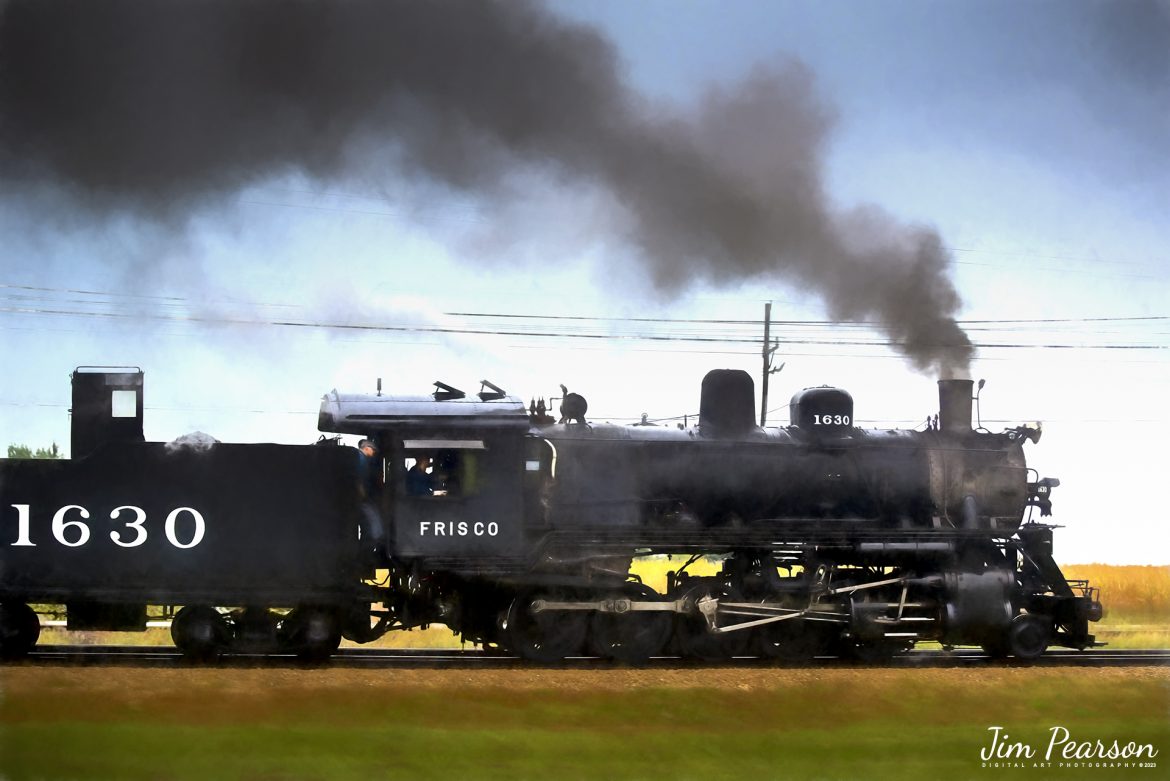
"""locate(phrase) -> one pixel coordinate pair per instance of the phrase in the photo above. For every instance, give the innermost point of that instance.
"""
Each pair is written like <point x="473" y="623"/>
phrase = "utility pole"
<point x="767" y="353"/>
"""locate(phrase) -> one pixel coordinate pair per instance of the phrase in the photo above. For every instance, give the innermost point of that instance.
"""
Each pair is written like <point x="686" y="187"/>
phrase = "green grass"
<point x="411" y="753"/>
<point x="297" y="724"/>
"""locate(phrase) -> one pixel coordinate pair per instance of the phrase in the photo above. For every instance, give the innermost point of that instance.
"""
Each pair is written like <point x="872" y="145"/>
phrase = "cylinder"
<point x="954" y="405"/>
<point x="978" y="606"/>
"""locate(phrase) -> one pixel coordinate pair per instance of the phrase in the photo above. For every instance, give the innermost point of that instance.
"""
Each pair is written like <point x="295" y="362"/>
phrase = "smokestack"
<point x="954" y="405"/>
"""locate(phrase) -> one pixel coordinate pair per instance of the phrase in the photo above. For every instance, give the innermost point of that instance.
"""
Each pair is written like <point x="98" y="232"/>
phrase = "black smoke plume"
<point x="156" y="108"/>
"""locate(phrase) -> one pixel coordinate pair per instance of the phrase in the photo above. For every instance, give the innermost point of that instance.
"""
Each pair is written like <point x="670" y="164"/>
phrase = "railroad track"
<point x="434" y="658"/>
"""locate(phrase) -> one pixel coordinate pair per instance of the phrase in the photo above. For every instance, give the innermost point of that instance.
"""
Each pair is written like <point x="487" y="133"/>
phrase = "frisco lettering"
<point x="1003" y="748"/>
<point x="457" y="529"/>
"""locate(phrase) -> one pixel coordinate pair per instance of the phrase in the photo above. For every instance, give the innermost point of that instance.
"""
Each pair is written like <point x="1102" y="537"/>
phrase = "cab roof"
<point x="362" y="413"/>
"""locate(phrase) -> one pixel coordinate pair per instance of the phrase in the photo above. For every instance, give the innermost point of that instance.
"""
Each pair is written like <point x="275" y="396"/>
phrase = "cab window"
<point x="442" y="468"/>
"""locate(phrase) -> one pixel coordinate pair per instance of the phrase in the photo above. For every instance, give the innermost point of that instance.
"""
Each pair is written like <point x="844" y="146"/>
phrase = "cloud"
<point x="158" y="110"/>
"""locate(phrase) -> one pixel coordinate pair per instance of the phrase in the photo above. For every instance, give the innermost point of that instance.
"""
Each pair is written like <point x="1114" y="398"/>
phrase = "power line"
<point x="450" y="330"/>
<point x="585" y="318"/>
<point x="759" y="323"/>
<point x="117" y="294"/>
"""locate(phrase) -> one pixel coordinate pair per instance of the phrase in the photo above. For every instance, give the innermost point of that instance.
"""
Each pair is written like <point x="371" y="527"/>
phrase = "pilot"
<point x="419" y="482"/>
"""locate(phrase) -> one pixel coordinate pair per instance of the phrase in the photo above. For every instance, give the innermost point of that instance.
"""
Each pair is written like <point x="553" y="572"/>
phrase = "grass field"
<point x="271" y="724"/>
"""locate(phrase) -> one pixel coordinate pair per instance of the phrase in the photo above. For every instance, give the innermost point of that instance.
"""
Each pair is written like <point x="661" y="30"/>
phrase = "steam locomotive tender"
<point x="519" y="532"/>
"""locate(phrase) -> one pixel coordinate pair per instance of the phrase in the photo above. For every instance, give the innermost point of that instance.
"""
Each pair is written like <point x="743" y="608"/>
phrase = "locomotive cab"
<point x="456" y="497"/>
<point x="453" y="469"/>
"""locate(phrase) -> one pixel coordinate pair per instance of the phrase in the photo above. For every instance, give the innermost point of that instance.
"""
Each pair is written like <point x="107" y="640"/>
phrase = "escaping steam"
<point x="158" y="108"/>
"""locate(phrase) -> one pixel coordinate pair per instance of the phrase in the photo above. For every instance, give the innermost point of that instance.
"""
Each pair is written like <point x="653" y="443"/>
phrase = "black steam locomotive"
<point x="518" y="531"/>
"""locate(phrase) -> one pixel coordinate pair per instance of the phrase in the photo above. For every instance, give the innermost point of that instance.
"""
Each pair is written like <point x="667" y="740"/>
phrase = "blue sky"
<point x="1031" y="136"/>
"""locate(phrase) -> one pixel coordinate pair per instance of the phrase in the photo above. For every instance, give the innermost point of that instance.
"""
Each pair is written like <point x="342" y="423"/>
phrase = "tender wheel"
<point x="312" y="633"/>
<point x="1029" y="635"/>
<point x="19" y="630"/>
<point x="630" y="637"/>
<point x="200" y="633"/>
<point x="546" y="636"/>
<point x="691" y="631"/>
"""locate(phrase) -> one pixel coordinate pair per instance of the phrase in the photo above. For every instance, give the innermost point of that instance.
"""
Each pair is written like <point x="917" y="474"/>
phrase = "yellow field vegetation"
<point x="653" y="569"/>
<point x="1135" y="592"/>
<point x="1136" y="600"/>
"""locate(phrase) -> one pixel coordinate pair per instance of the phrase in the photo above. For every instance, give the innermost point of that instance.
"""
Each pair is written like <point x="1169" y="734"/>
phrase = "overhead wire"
<point x="615" y="336"/>
<point x="752" y="322"/>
